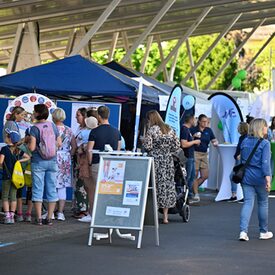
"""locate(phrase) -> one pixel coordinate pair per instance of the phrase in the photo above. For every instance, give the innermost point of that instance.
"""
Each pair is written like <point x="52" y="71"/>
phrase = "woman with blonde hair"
<point x="257" y="177"/>
<point x="64" y="156"/>
<point x="160" y="141"/>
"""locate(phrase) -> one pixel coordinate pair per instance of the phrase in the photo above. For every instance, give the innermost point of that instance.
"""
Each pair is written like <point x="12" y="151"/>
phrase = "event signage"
<point x="172" y="116"/>
<point x="229" y="114"/>
<point x="124" y="186"/>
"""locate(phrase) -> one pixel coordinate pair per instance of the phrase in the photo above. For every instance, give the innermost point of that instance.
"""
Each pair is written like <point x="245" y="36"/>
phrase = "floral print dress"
<point x="64" y="174"/>
<point x="160" y="147"/>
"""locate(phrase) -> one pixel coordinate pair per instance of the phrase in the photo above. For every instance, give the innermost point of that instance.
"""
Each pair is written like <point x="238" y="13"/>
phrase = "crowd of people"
<point x="60" y="159"/>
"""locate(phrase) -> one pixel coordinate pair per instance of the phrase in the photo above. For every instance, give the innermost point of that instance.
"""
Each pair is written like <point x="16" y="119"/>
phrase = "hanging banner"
<point x="229" y="114"/>
<point x="172" y="116"/>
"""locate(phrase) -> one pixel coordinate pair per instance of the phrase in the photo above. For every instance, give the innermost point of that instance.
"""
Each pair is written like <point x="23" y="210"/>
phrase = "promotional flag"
<point x="229" y="114"/>
<point x="172" y="116"/>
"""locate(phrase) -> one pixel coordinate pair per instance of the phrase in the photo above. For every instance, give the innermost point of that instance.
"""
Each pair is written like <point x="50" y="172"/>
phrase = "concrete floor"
<point x="208" y="244"/>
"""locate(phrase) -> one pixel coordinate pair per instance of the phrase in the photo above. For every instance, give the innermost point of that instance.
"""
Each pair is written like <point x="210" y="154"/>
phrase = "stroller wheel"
<point x="185" y="213"/>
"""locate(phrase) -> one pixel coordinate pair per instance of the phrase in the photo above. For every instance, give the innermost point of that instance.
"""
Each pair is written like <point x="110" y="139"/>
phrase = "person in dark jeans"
<point x="188" y="144"/>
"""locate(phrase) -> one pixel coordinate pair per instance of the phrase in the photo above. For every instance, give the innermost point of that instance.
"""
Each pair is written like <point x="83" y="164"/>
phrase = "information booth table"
<point x="227" y="152"/>
<point x="125" y="186"/>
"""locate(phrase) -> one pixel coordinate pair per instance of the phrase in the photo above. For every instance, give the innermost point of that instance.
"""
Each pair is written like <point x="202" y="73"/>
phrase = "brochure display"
<point x="121" y="194"/>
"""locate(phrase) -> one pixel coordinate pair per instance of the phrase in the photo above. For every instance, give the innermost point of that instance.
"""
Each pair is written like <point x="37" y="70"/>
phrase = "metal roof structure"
<point x="111" y="24"/>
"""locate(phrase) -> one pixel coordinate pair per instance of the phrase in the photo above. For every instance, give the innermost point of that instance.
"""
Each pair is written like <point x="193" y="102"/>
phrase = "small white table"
<point x="227" y="152"/>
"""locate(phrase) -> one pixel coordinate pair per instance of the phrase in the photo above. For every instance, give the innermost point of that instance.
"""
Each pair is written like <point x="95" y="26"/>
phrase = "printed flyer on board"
<point x="112" y="177"/>
<point x="132" y="193"/>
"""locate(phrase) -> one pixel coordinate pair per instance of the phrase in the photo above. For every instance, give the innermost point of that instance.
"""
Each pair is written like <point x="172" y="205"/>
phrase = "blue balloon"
<point x="188" y="102"/>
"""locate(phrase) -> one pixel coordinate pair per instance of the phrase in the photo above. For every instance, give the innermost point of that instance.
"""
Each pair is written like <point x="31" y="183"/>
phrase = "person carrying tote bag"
<point x="256" y="180"/>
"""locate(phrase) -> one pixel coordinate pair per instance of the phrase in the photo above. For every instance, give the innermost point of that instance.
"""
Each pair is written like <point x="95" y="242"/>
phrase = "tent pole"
<point x="138" y="109"/>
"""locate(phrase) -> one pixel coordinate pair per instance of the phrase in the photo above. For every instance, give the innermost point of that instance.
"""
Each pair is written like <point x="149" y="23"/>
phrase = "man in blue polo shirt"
<point x="188" y="144"/>
<point x="205" y="135"/>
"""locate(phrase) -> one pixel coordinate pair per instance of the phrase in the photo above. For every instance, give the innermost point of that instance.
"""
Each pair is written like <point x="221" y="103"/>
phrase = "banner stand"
<point x="120" y="203"/>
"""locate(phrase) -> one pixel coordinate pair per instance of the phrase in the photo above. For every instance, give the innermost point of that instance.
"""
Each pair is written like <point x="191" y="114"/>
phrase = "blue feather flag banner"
<point x="229" y="114"/>
<point x="172" y="117"/>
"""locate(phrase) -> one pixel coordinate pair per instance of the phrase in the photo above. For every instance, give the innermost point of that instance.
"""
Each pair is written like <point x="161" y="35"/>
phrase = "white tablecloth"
<point x="227" y="152"/>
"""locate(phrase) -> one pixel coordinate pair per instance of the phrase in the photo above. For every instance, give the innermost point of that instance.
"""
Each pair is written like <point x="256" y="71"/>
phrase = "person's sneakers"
<point x="60" y="216"/>
<point x="241" y="201"/>
<point x="19" y="218"/>
<point x="45" y="216"/>
<point x="266" y="236"/>
<point x="87" y="218"/>
<point x="232" y="199"/>
<point x="7" y="219"/>
<point x="243" y="236"/>
<point x="195" y="199"/>
<point x="28" y="217"/>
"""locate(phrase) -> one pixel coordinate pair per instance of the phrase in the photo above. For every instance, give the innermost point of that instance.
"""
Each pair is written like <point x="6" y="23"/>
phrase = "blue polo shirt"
<point x="206" y="136"/>
<point x="186" y="135"/>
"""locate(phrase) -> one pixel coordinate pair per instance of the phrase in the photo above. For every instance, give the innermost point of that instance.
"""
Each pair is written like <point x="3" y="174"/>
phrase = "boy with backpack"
<point x="9" y="154"/>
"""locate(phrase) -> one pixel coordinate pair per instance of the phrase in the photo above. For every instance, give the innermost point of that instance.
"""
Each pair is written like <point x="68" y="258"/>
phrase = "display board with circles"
<point x="27" y="101"/>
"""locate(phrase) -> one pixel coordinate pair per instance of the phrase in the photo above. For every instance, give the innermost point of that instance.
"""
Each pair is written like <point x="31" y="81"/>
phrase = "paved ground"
<point x="206" y="245"/>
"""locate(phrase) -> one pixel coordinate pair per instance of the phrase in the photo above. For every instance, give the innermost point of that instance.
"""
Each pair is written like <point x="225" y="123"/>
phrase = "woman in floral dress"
<point x="160" y="141"/>
<point x="64" y="160"/>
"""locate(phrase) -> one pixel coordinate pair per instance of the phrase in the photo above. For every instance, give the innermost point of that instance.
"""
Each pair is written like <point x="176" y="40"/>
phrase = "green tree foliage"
<point x="205" y="72"/>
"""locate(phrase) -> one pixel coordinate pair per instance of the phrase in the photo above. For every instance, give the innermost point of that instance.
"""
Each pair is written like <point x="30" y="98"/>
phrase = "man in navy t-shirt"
<point x="188" y="144"/>
<point x="205" y="135"/>
<point x="99" y="137"/>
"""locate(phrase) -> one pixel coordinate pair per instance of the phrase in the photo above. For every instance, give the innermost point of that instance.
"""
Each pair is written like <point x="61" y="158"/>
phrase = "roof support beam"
<point x="53" y="55"/>
<point x="235" y="52"/>
<point x="250" y="63"/>
<point x="113" y="46"/>
<point x="213" y="45"/>
<point x="25" y="52"/>
<point x="16" y="47"/>
<point x="103" y="17"/>
<point x="182" y="40"/>
<point x="126" y="46"/>
<point x="173" y="66"/>
<point x="196" y="85"/>
<point x="146" y="55"/>
<point x="70" y="43"/>
<point x="150" y="27"/>
<point x="165" y="72"/>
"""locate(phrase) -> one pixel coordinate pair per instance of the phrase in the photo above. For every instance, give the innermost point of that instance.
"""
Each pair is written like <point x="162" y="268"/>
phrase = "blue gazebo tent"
<point x="69" y="76"/>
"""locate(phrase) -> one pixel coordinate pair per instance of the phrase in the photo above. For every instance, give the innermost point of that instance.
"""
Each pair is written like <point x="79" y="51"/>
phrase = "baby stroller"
<point x="182" y="205"/>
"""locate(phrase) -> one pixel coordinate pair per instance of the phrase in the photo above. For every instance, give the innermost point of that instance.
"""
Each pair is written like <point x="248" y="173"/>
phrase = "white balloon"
<point x="188" y="102"/>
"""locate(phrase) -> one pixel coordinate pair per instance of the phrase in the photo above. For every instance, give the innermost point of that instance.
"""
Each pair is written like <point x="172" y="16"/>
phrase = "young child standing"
<point x="7" y="161"/>
<point x="24" y="147"/>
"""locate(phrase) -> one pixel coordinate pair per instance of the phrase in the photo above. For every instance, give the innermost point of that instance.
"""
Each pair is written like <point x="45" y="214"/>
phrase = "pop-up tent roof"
<point x="132" y="73"/>
<point x="149" y="92"/>
<point x="70" y="76"/>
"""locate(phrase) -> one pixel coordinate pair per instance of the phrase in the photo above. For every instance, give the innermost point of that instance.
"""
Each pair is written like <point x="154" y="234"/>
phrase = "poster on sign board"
<point x="111" y="179"/>
<point x="132" y="192"/>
